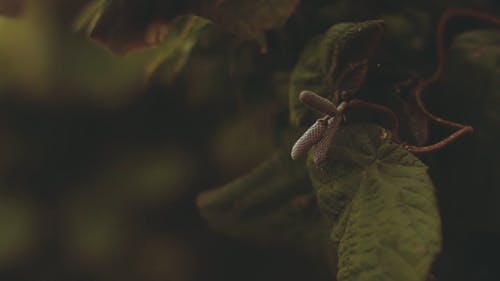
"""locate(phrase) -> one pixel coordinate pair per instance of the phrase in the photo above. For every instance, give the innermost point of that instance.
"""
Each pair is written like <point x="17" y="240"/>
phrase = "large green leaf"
<point x="272" y="205"/>
<point x="380" y="202"/>
<point x="334" y="63"/>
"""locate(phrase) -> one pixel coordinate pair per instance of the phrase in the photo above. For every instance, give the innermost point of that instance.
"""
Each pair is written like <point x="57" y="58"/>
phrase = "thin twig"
<point x="357" y="103"/>
<point x="424" y="83"/>
<point x="437" y="146"/>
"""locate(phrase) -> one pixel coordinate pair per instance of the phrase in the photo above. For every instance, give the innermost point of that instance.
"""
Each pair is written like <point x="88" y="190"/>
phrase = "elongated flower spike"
<point x="322" y="146"/>
<point x="321" y="133"/>
<point x="317" y="102"/>
<point x="309" y="138"/>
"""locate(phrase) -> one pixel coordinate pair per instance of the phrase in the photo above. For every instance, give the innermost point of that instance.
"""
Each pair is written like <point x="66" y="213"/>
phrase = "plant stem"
<point x="357" y="103"/>
<point x="424" y="83"/>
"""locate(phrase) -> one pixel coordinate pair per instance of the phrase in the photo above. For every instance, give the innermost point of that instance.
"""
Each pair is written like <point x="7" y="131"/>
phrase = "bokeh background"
<point x="99" y="170"/>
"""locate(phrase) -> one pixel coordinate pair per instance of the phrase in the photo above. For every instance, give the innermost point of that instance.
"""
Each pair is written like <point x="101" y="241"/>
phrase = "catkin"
<point x="321" y="147"/>
<point x="317" y="102"/>
<point x="308" y="139"/>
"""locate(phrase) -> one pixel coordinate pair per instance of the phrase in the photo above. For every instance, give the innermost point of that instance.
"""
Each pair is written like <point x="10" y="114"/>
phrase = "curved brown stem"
<point x="421" y="86"/>
<point x="424" y="83"/>
<point x="357" y="103"/>
<point x="443" y="20"/>
<point x="437" y="146"/>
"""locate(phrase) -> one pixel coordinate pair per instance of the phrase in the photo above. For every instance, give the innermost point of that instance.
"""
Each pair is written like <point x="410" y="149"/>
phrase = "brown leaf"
<point x="126" y="25"/>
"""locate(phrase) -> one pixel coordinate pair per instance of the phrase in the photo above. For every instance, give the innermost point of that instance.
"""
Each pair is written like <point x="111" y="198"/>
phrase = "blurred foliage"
<point x="272" y="205"/>
<point x="471" y="80"/>
<point x="11" y="7"/>
<point x="109" y="162"/>
<point x="123" y="26"/>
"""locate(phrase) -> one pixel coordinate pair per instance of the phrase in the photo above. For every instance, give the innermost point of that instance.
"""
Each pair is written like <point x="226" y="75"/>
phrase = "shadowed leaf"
<point x="126" y="25"/>
<point x="345" y="44"/>
<point x="174" y="51"/>
<point x="380" y="202"/>
<point x="305" y="76"/>
<point x="334" y="63"/>
<point x="272" y="205"/>
<point x="470" y="93"/>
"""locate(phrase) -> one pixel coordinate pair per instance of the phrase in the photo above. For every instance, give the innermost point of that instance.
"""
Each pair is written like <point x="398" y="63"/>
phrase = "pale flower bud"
<point x="309" y="138"/>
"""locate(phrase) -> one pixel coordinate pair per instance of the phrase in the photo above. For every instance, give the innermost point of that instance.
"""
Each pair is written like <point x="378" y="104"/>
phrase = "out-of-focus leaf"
<point x="63" y="68"/>
<point x="334" y="63"/>
<point x="211" y="73"/>
<point x="467" y="172"/>
<point x="305" y="76"/>
<point x="174" y="51"/>
<point x="245" y="140"/>
<point x="19" y="230"/>
<point x="471" y="71"/>
<point x="95" y="232"/>
<point x="409" y="31"/>
<point x="166" y="257"/>
<point x="470" y="93"/>
<point x="380" y="202"/>
<point x="25" y="53"/>
<point x="272" y="205"/>
<point x="126" y="25"/>
<point x="146" y="177"/>
<point x="11" y="7"/>
<point x="250" y="18"/>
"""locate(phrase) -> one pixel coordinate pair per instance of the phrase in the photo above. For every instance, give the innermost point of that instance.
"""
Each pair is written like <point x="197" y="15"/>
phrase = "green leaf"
<point x="19" y="220"/>
<point x="305" y="76"/>
<point x="345" y="44"/>
<point x="255" y="129"/>
<point x="334" y="63"/>
<point x="380" y="202"/>
<point x="126" y="25"/>
<point x="472" y="68"/>
<point x="272" y="205"/>
<point x="250" y="18"/>
<point x="174" y="51"/>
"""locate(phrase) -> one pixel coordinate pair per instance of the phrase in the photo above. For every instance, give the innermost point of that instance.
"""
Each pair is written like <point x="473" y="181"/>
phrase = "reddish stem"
<point x="357" y="103"/>
<point x="424" y="83"/>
